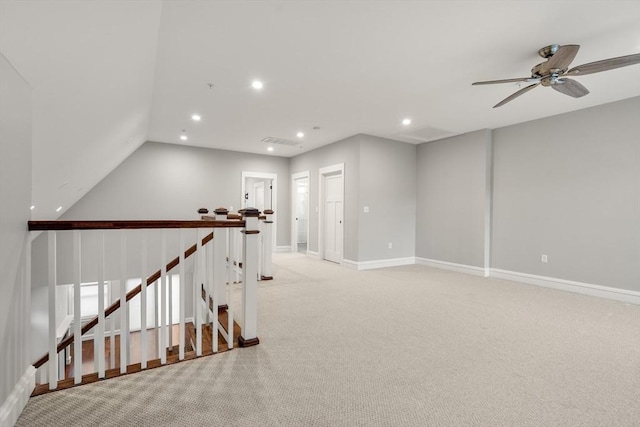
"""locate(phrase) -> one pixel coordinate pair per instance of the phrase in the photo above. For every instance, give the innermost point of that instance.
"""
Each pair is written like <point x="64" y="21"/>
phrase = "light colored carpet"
<point x="404" y="346"/>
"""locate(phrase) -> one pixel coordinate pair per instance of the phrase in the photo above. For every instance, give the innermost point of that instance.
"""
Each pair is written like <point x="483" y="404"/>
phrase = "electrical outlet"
<point x="390" y="245"/>
<point x="366" y="209"/>
<point x="543" y="258"/>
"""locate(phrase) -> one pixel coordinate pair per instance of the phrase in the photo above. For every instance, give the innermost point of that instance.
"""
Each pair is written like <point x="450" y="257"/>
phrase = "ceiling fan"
<point x="552" y="72"/>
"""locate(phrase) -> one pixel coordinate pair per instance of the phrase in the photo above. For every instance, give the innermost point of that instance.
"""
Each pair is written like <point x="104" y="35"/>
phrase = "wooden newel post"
<point x="267" y="245"/>
<point x="250" y="250"/>
<point x="219" y="261"/>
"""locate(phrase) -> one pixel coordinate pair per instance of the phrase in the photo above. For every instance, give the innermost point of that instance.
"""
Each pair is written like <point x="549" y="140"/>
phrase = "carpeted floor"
<point x="404" y="346"/>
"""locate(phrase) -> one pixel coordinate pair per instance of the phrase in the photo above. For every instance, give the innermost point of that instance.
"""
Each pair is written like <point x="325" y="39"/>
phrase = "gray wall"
<point x="451" y="198"/>
<point x="568" y="186"/>
<point x="15" y="201"/>
<point x="345" y="151"/>
<point x="166" y="181"/>
<point x="387" y="186"/>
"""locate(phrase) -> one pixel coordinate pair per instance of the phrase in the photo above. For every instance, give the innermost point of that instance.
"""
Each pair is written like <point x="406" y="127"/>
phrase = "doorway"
<point x="260" y="191"/>
<point x="300" y="212"/>
<point x="331" y="220"/>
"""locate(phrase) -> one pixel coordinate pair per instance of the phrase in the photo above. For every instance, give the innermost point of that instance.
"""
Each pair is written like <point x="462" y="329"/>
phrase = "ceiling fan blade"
<point x="523" y="79"/>
<point x="571" y="88"/>
<point x="515" y="95"/>
<point x="604" y="65"/>
<point x="562" y="58"/>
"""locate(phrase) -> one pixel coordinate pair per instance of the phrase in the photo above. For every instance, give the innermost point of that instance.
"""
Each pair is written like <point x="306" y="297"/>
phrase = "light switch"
<point x="366" y="209"/>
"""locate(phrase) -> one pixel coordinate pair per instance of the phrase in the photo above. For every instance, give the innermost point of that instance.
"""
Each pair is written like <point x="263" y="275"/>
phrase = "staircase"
<point x="171" y="322"/>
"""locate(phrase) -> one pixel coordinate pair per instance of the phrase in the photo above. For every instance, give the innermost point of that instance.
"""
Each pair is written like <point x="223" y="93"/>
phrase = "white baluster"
<point x="213" y="289"/>
<point x="197" y="291"/>
<point x="53" y="345"/>
<point x="170" y="320"/>
<point x="99" y="330"/>
<point x="143" y="301"/>
<point x="231" y="247"/>
<point x="77" y="312"/>
<point x="163" y="300"/>
<point x="182" y="296"/>
<point x="124" y="319"/>
<point x="112" y="337"/>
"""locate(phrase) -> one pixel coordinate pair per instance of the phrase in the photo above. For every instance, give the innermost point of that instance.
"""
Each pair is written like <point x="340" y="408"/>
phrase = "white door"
<point x="333" y="218"/>
<point x="258" y="194"/>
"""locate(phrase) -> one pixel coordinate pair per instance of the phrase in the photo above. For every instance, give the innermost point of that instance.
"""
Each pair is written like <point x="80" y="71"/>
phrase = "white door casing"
<point x="274" y="196"/>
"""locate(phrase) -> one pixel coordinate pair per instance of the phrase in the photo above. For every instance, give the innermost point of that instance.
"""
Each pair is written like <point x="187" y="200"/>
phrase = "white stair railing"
<point x="104" y="256"/>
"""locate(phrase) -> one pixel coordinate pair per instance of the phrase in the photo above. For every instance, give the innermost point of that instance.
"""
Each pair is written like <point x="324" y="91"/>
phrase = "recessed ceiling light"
<point x="300" y="134"/>
<point x="196" y="117"/>
<point x="59" y="209"/>
<point x="257" y="84"/>
<point x="183" y="137"/>
<point x="269" y="148"/>
<point x="406" y="122"/>
<point x="33" y="207"/>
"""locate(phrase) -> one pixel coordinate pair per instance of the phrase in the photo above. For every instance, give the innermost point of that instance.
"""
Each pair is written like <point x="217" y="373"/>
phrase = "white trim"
<point x="337" y="169"/>
<point x="379" y="263"/>
<point x="445" y="265"/>
<point x="283" y="248"/>
<point x="14" y="404"/>
<point x="607" y="292"/>
<point x="313" y="254"/>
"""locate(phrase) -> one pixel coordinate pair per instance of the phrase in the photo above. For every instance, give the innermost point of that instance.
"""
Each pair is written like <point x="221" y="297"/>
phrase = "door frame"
<point x="337" y="169"/>
<point x="294" y="204"/>
<point x="274" y="197"/>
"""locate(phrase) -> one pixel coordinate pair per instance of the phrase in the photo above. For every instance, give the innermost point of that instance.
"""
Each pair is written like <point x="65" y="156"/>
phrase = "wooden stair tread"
<point x="172" y="356"/>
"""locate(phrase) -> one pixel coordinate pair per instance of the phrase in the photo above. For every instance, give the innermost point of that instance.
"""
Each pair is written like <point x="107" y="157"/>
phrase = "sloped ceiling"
<point x="108" y="75"/>
<point x="91" y="66"/>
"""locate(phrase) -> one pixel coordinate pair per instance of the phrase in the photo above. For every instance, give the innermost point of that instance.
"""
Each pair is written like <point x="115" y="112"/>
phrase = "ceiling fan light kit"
<point x="552" y="72"/>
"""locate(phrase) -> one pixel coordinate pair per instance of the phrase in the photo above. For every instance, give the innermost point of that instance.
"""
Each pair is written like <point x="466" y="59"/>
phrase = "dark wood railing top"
<point x="130" y="224"/>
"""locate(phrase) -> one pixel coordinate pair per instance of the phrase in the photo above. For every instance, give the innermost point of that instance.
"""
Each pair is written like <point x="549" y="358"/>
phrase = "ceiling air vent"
<point x="426" y="134"/>
<point x="280" y="141"/>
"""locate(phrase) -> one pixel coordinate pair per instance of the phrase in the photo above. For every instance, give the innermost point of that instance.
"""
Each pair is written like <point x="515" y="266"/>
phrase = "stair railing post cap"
<point x="249" y="212"/>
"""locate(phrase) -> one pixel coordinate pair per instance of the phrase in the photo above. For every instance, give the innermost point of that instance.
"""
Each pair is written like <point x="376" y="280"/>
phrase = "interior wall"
<point x="15" y="202"/>
<point x="568" y="186"/>
<point x="176" y="180"/>
<point x="387" y="187"/>
<point x="451" y="191"/>
<point x="345" y="151"/>
<point x="164" y="181"/>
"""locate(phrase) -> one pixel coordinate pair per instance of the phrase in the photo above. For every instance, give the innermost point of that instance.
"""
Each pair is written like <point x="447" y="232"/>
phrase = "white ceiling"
<point x="109" y="75"/>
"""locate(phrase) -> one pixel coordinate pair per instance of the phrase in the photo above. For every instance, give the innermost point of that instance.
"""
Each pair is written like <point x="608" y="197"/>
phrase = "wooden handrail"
<point x="129" y="224"/>
<point x="132" y="293"/>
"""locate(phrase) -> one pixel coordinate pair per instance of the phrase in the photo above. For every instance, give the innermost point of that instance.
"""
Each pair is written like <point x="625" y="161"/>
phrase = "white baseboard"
<point x="379" y="263"/>
<point x="17" y="399"/>
<point x="283" y="248"/>
<point x="607" y="292"/>
<point x="445" y="265"/>
<point x="313" y="254"/>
